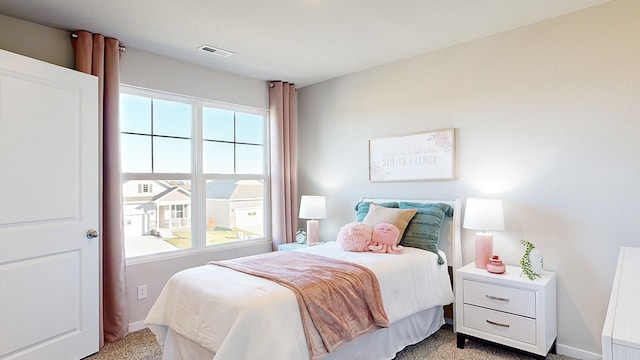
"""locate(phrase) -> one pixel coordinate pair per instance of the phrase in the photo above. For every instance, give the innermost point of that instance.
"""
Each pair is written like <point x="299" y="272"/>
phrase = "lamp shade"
<point x="483" y="215"/>
<point x="313" y="207"/>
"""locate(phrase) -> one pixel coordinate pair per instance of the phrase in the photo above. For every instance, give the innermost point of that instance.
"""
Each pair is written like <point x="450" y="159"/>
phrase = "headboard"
<point x="450" y="242"/>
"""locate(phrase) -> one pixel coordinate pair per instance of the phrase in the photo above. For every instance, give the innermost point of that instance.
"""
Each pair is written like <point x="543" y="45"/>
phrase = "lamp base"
<point x="484" y="249"/>
<point x="313" y="232"/>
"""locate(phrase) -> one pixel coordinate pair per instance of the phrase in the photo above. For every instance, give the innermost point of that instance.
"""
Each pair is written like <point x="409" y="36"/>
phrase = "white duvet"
<point x="239" y="316"/>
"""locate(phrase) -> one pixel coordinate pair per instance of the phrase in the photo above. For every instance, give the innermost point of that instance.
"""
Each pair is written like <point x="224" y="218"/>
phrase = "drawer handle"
<point x="496" y="298"/>
<point x="497" y="324"/>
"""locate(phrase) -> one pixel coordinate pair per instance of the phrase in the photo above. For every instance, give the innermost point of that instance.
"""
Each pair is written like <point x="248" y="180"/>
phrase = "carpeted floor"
<point x="442" y="345"/>
<point x="138" y="345"/>
<point x="142" y="345"/>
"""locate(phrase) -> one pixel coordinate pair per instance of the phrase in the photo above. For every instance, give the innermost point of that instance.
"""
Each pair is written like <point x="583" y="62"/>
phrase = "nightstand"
<point x="507" y="309"/>
<point x="291" y="246"/>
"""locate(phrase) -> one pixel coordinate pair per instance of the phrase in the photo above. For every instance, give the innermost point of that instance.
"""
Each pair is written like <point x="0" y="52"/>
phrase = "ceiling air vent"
<point x="215" y="51"/>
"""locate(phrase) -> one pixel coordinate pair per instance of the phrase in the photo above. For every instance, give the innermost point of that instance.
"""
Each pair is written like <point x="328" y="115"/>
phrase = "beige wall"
<point x="36" y="41"/>
<point x="548" y="119"/>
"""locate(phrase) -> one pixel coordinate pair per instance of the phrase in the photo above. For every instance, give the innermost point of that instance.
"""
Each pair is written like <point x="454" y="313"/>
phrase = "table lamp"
<point x="483" y="215"/>
<point x="313" y="207"/>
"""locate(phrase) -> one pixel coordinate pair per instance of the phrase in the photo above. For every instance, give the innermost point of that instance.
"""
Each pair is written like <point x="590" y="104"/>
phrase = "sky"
<point x="157" y="138"/>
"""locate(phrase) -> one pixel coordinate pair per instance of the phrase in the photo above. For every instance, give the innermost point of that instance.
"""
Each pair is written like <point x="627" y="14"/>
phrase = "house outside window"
<point x="194" y="173"/>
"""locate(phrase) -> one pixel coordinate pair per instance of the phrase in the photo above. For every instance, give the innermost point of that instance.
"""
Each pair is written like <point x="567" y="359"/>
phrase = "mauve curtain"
<point x="283" y="108"/>
<point x="100" y="56"/>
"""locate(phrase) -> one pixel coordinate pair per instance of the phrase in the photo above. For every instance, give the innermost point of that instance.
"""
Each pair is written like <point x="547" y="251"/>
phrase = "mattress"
<point x="238" y="316"/>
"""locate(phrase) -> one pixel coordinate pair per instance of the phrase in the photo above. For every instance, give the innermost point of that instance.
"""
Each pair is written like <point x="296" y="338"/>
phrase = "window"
<point x="144" y="188"/>
<point x="194" y="173"/>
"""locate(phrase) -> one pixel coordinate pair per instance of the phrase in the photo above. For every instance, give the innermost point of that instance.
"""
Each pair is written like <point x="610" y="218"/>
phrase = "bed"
<point x="215" y="312"/>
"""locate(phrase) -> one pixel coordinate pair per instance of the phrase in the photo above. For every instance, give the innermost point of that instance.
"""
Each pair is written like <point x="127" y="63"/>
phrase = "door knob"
<point x="92" y="234"/>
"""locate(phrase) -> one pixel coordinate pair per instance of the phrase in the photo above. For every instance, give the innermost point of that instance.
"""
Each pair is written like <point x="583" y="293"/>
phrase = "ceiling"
<point x="300" y="41"/>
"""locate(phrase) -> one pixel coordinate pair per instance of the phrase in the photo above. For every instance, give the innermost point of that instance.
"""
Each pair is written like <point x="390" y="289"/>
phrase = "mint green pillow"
<point x="423" y="231"/>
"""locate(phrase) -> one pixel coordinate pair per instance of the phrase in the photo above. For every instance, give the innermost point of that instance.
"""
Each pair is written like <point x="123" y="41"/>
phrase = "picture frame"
<point x="423" y="156"/>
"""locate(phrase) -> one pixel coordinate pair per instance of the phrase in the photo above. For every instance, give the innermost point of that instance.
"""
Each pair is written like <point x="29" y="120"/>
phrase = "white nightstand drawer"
<point x="502" y="298"/>
<point x="511" y="326"/>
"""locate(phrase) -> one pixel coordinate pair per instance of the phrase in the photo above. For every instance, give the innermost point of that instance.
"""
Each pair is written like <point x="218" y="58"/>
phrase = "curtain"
<point x="283" y="106"/>
<point x="100" y="56"/>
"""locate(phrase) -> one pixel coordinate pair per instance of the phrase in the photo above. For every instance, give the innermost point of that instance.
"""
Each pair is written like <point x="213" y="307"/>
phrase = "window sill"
<point x="216" y="252"/>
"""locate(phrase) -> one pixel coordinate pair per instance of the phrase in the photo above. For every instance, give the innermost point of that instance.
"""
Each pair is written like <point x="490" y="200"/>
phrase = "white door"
<point x="48" y="201"/>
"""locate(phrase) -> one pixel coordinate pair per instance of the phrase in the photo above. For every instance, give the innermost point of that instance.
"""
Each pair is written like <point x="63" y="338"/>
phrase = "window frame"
<point x="198" y="178"/>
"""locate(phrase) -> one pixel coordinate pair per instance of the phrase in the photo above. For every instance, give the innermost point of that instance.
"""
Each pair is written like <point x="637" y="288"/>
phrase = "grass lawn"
<point x="182" y="239"/>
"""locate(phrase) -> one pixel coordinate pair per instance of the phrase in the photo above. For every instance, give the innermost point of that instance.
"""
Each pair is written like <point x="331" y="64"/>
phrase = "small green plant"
<point x="525" y="262"/>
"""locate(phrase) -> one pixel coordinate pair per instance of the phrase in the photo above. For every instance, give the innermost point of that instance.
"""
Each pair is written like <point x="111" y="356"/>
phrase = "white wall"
<point x="143" y="69"/>
<point x="146" y="70"/>
<point x="548" y="118"/>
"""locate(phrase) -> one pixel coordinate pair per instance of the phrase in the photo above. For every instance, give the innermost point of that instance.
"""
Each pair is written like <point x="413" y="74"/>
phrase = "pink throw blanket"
<point x="338" y="300"/>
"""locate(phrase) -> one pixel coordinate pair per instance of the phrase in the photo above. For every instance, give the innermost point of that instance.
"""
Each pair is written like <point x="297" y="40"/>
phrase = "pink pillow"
<point x="354" y="237"/>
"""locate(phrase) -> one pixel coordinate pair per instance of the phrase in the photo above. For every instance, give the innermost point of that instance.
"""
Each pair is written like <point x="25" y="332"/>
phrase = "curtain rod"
<point x="271" y="83"/>
<point x="121" y="47"/>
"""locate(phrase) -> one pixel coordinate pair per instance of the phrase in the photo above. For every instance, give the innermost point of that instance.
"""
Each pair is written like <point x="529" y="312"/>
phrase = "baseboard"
<point x="139" y="325"/>
<point x="576" y="353"/>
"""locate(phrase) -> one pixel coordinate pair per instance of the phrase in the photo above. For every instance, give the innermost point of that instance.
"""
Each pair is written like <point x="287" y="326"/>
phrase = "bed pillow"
<point x="398" y="217"/>
<point x="362" y="208"/>
<point x="355" y="236"/>
<point x="423" y="231"/>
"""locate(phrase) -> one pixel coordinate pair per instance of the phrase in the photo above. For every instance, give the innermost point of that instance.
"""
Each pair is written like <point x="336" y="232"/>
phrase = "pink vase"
<point x="495" y="265"/>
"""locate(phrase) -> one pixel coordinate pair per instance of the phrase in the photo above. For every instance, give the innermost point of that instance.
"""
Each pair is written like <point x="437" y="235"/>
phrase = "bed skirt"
<point x="382" y="344"/>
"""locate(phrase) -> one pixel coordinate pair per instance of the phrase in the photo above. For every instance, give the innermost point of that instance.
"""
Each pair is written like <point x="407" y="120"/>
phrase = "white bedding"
<point x="239" y="316"/>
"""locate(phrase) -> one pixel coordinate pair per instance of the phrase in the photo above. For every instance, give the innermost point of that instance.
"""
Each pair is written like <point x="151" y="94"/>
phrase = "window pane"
<point x="135" y="114"/>
<point x="235" y="210"/>
<point x="249" y="128"/>
<point x="135" y="153"/>
<point x="217" y="157"/>
<point x="158" y="220"/>
<point x="249" y="159"/>
<point x="171" y="155"/>
<point x="157" y="137"/>
<point x="217" y="124"/>
<point x="171" y="118"/>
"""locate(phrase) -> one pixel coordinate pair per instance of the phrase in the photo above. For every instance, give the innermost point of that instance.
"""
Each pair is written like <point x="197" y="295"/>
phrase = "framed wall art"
<point x="414" y="157"/>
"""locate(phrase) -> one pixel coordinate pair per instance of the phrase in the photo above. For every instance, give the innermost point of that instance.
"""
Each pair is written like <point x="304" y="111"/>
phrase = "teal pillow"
<point x="362" y="208"/>
<point x="423" y="231"/>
